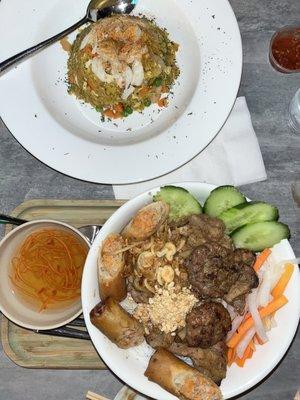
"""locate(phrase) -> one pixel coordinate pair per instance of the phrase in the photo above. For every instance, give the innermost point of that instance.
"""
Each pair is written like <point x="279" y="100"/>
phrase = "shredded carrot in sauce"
<point x="47" y="268"/>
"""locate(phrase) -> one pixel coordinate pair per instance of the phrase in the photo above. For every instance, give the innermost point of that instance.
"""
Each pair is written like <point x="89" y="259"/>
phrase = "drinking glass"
<point x="294" y="113"/>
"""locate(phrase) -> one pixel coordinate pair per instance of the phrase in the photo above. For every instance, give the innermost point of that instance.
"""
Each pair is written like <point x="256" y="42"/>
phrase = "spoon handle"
<point x="6" y="219"/>
<point x="10" y="62"/>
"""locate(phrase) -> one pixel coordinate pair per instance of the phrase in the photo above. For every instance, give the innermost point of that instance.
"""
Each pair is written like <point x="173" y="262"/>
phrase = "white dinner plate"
<point x="70" y="137"/>
<point x="130" y="365"/>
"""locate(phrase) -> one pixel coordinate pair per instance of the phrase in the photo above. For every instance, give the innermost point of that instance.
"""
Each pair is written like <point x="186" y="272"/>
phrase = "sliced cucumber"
<point x="181" y="202"/>
<point x="259" y="236"/>
<point x="222" y="198"/>
<point x="248" y="213"/>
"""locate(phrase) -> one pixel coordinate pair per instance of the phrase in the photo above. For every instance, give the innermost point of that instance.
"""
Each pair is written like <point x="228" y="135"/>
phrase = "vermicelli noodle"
<point x="47" y="269"/>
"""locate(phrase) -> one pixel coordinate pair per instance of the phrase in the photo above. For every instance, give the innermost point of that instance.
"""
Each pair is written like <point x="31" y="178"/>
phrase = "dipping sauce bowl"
<point x="14" y="306"/>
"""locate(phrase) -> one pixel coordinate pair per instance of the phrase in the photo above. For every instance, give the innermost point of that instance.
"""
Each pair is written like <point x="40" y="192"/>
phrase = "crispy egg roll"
<point x="147" y="221"/>
<point x="117" y="324"/>
<point x="179" y="378"/>
<point x="111" y="264"/>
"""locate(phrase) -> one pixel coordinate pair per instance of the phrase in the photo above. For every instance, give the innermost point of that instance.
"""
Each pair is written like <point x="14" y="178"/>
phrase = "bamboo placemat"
<point x="32" y="350"/>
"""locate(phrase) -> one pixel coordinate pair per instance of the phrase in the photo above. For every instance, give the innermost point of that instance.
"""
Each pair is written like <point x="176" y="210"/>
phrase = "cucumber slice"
<point x="248" y="213"/>
<point x="181" y="202"/>
<point x="222" y="198"/>
<point x="259" y="236"/>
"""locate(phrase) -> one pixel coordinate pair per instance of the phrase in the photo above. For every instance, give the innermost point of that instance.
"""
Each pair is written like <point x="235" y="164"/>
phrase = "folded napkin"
<point x="233" y="157"/>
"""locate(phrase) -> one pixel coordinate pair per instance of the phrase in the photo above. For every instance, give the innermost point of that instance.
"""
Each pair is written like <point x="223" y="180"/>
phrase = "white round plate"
<point x="130" y="365"/>
<point x="69" y="136"/>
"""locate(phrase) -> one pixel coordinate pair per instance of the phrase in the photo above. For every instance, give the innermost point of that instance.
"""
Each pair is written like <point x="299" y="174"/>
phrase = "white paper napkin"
<point x="233" y="157"/>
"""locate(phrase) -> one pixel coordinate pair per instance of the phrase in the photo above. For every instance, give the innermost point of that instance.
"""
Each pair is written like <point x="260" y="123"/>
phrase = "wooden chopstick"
<point x="95" y="396"/>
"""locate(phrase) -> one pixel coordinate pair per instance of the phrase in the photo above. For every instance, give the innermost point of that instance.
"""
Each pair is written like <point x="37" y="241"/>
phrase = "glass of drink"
<point x="294" y="113"/>
<point x="284" y="52"/>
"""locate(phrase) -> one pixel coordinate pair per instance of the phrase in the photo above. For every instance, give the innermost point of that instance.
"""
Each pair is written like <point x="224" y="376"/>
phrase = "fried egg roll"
<point x="117" y="324"/>
<point x="179" y="378"/>
<point x="147" y="221"/>
<point x="111" y="264"/>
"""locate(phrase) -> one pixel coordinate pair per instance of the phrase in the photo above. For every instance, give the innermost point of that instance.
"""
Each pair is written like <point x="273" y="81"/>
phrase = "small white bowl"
<point x="11" y="305"/>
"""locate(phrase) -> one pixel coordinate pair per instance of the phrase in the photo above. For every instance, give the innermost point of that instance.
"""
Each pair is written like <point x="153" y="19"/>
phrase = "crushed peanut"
<point x="168" y="308"/>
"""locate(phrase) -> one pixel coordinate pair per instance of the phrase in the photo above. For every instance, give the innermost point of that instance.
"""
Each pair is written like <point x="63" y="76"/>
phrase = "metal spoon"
<point x="96" y="10"/>
<point x="89" y="231"/>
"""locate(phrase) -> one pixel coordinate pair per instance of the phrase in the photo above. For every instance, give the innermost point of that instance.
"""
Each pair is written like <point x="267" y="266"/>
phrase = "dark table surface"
<point x="268" y="94"/>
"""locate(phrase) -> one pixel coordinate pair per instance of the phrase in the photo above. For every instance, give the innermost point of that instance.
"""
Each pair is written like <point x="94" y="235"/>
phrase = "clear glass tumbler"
<point x="294" y="113"/>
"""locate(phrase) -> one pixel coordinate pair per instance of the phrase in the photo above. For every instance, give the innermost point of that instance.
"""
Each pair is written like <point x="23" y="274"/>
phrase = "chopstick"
<point x="94" y="396"/>
<point x="7" y="219"/>
<point x="66" y="332"/>
<point x="77" y="322"/>
<point x="69" y="331"/>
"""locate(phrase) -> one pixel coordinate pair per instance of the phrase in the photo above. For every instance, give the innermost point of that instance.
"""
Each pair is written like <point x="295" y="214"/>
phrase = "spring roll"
<point x="111" y="264"/>
<point x="147" y="221"/>
<point x="179" y="378"/>
<point x="117" y="324"/>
